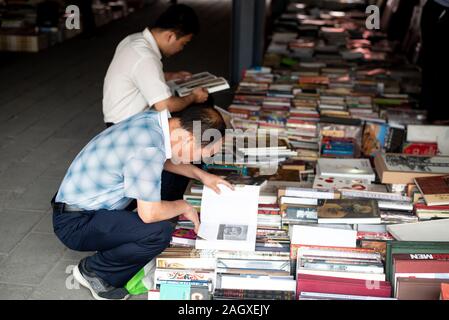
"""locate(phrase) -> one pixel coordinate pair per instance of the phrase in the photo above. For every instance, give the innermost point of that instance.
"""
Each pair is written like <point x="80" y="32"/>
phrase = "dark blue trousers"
<point x="124" y="243"/>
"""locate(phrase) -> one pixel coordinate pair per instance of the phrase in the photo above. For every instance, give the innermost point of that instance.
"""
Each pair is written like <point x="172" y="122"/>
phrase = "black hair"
<point x="206" y="115"/>
<point x="179" y="18"/>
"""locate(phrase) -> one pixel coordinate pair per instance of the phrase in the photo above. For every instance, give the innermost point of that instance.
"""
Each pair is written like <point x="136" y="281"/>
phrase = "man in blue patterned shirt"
<point x="120" y="164"/>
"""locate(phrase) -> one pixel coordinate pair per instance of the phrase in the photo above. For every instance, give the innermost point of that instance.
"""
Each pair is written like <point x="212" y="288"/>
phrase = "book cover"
<point x="323" y="284"/>
<point x="349" y="211"/>
<point x="346" y="168"/>
<point x="374" y="138"/>
<point x="394" y="247"/>
<point x="403" y="168"/>
<point x="419" y="289"/>
<point x="337" y="183"/>
<point x="435" y="190"/>
<point x="434" y="230"/>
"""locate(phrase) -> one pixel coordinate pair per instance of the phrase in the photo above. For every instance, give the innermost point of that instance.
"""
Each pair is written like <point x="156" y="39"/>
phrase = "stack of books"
<point x="353" y="201"/>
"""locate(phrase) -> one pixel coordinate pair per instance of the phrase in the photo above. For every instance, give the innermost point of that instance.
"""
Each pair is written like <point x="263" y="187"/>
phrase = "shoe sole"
<point x="82" y="281"/>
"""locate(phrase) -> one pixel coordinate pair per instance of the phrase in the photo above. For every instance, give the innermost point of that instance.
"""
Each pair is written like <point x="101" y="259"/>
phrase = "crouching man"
<point x="120" y="164"/>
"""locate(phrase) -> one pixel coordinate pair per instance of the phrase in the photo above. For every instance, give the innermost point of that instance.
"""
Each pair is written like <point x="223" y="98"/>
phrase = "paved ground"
<point x="50" y="107"/>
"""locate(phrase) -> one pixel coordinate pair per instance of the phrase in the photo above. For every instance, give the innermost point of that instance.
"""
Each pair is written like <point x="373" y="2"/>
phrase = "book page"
<point x="229" y="219"/>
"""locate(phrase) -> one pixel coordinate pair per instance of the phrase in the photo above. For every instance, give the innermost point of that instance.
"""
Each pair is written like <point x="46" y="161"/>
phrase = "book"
<point x="408" y="247"/>
<point x="298" y="201"/>
<point x="248" y="282"/>
<point x="237" y="179"/>
<point x="321" y="236"/>
<point x="342" y="274"/>
<point x="435" y="190"/>
<point x="346" y="168"/>
<point x="420" y="148"/>
<point x="185" y="263"/>
<point x="419" y="289"/>
<point x="349" y="211"/>
<point x="403" y="168"/>
<point x="374" y="138"/>
<point x="410" y="268"/>
<point x="308" y="193"/>
<point x="424" y="212"/>
<point x="427" y="133"/>
<point x="242" y="294"/>
<point x="444" y="291"/>
<point x="335" y="285"/>
<point x="336" y="183"/>
<point x="184" y="236"/>
<point x="205" y="80"/>
<point x="434" y="230"/>
<point x="330" y="296"/>
<point x="229" y="219"/>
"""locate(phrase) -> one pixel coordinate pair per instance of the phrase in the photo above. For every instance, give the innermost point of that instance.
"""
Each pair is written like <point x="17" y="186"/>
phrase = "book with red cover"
<point x="420" y="148"/>
<point x="435" y="190"/>
<point x="184" y="233"/>
<point x="421" y="266"/>
<point x="421" y="206"/>
<point x="405" y="265"/>
<point x="322" y="284"/>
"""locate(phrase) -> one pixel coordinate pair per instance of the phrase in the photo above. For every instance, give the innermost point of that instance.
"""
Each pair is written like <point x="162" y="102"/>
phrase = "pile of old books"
<point x="342" y="189"/>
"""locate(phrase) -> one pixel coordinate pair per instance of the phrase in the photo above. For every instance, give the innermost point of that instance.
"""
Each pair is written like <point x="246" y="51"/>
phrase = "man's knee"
<point x="162" y="237"/>
<point x="166" y="232"/>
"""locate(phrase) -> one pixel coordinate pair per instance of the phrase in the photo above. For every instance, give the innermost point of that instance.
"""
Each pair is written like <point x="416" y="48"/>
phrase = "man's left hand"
<point x="212" y="181"/>
<point x="181" y="75"/>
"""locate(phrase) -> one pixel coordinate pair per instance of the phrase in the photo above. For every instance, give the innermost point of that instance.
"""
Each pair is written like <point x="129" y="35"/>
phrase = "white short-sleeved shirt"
<point x="135" y="79"/>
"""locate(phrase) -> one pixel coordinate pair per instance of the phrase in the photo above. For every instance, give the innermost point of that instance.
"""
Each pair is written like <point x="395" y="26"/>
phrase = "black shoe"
<point x="99" y="288"/>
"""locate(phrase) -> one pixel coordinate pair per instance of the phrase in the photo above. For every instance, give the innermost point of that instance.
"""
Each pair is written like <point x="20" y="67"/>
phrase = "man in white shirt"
<point x="135" y="80"/>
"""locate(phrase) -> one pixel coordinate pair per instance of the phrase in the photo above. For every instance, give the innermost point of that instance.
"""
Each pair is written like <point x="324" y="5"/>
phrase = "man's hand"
<point x="212" y="181"/>
<point x="191" y="214"/>
<point x="181" y="75"/>
<point x="200" y="95"/>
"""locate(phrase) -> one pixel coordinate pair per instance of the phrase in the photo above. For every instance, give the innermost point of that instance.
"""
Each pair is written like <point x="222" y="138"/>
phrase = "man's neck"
<point x="173" y="124"/>
<point x="157" y="37"/>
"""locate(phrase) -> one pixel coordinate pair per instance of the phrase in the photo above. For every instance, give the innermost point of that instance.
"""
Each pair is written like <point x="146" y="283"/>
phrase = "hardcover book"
<point x="403" y="168"/>
<point x="349" y="211"/>
<point x="346" y="168"/>
<point x="204" y="79"/>
<point x="435" y="190"/>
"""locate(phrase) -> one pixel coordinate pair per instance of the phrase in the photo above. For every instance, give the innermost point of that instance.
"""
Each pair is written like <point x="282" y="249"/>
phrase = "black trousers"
<point x="124" y="243"/>
<point x="435" y="60"/>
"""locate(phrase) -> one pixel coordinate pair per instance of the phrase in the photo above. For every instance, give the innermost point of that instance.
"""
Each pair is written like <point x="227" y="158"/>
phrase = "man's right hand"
<point x="192" y="215"/>
<point x="200" y="95"/>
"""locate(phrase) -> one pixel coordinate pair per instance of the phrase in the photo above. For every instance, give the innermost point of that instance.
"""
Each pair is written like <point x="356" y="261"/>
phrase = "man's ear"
<point x="171" y="36"/>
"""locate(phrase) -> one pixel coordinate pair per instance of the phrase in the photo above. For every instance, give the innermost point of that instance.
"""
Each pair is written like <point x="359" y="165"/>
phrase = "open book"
<point x="183" y="87"/>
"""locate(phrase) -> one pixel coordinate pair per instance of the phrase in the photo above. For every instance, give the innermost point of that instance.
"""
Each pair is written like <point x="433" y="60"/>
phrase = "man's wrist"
<point x="198" y="173"/>
<point x="192" y="97"/>
<point x="181" y="206"/>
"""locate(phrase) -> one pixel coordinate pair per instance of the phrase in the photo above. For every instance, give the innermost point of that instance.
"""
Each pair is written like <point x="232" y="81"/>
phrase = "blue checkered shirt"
<point x="122" y="163"/>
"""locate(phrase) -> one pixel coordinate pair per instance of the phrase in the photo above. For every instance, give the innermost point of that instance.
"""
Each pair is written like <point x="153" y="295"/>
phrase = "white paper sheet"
<point x="229" y="219"/>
